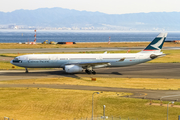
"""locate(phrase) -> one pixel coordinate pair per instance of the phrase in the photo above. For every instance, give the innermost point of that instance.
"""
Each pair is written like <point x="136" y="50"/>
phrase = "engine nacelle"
<point x="73" y="69"/>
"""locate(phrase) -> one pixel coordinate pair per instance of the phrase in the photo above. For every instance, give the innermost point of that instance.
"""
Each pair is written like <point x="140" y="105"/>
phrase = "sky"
<point x="105" y="6"/>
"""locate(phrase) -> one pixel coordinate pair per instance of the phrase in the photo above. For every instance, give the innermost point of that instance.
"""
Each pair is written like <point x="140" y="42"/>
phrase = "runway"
<point x="145" y="70"/>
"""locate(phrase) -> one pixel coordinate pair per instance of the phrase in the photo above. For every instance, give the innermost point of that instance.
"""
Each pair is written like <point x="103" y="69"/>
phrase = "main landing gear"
<point x="90" y="71"/>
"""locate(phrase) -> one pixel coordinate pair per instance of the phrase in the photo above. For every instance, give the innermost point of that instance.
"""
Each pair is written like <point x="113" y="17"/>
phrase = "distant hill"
<point x="60" y="17"/>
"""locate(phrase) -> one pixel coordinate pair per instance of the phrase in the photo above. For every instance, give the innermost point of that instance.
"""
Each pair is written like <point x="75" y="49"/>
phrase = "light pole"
<point x="104" y="112"/>
<point x="167" y="107"/>
<point x="92" y="102"/>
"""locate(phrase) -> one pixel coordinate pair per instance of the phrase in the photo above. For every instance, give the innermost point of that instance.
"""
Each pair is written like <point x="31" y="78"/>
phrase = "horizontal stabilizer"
<point x="153" y="56"/>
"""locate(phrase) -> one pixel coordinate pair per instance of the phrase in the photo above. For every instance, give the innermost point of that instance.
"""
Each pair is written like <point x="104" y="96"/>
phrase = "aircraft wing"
<point x="95" y="63"/>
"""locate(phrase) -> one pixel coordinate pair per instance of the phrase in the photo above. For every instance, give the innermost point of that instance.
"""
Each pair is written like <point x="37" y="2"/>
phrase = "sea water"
<point x="16" y="36"/>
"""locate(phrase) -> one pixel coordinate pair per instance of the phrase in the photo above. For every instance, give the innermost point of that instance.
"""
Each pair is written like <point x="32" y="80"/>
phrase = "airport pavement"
<point x="6" y="59"/>
<point x="145" y="70"/>
<point x="46" y="50"/>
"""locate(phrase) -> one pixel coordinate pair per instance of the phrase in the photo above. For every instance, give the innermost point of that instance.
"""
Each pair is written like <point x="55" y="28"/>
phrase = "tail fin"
<point x="156" y="45"/>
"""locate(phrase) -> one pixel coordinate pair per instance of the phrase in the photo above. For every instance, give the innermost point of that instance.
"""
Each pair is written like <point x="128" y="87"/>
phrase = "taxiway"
<point x="144" y="70"/>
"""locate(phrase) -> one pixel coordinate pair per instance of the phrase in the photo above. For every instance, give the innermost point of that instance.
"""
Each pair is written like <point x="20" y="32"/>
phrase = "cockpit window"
<point x="15" y="58"/>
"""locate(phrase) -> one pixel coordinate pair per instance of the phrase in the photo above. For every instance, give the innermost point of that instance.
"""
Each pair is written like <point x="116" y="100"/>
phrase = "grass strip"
<point x="55" y="104"/>
<point x="137" y="83"/>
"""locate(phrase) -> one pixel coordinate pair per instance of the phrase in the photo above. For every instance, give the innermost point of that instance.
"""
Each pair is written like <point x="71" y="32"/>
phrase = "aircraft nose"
<point x="11" y="61"/>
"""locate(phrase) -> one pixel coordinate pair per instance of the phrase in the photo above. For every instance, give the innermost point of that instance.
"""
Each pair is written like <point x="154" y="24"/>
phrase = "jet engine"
<point x="73" y="69"/>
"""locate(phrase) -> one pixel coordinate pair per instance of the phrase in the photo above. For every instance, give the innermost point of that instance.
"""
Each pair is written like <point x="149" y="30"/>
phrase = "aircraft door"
<point x="100" y="58"/>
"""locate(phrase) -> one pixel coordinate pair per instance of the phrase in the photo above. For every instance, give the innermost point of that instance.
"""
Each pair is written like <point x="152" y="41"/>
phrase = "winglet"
<point x="105" y="52"/>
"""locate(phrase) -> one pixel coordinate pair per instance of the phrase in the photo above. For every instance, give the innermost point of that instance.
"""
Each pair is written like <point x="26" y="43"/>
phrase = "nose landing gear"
<point x="26" y="70"/>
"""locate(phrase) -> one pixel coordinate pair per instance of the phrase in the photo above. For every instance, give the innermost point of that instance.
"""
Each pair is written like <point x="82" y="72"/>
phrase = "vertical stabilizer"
<point x="156" y="44"/>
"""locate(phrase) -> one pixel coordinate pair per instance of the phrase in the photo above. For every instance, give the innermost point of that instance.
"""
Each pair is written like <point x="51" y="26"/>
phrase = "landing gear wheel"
<point x="26" y="70"/>
<point x="88" y="71"/>
<point x="93" y="72"/>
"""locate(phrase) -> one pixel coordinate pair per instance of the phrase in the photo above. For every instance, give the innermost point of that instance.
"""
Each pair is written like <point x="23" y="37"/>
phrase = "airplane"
<point x="75" y="63"/>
